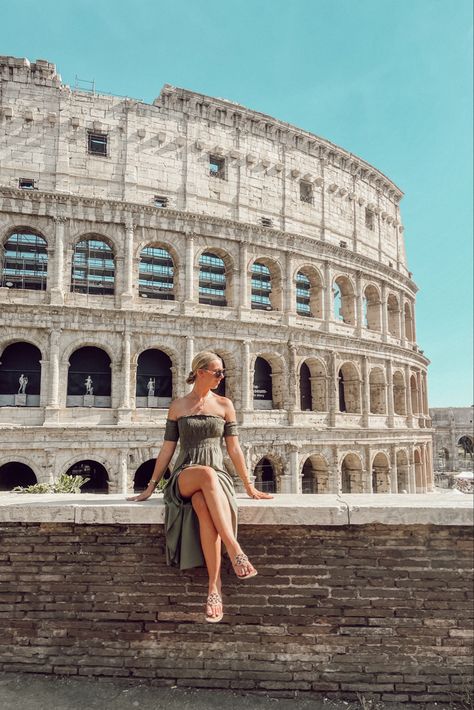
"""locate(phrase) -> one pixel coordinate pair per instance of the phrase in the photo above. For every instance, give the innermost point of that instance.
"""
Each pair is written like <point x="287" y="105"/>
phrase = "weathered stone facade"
<point x="297" y="205"/>
<point x="453" y="438"/>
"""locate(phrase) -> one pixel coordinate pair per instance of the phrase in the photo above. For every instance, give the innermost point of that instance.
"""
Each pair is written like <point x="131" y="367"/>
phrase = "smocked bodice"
<point x="200" y="438"/>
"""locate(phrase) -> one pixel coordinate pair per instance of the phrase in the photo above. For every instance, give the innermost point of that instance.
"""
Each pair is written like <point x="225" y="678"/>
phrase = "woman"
<point x="201" y="509"/>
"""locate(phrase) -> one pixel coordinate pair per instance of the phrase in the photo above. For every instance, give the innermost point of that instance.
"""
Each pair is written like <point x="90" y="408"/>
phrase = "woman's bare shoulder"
<point x="176" y="407"/>
<point x="228" y="408"/>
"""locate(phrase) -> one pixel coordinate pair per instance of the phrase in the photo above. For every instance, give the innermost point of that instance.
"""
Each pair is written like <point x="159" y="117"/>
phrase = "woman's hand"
<point x="144" y="495"/>
<point x="252" y="492"/>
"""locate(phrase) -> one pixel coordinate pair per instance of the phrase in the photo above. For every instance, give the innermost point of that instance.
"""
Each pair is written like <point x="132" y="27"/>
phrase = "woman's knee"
<point x="208" y="476"/>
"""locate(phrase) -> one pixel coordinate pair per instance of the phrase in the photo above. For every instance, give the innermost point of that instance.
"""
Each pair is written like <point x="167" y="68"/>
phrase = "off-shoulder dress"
<point x="200" y="437"/>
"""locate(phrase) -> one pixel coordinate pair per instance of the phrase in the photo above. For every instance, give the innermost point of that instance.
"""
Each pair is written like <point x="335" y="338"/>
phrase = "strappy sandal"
<point x="240" y="561"/>
<point x="213" y="600"/>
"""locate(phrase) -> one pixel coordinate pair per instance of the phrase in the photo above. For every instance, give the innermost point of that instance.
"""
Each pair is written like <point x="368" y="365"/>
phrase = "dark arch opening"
<point x="143" y="475"/>
<point x="342" y="398"/>
<point x="98" y="479"/>
<point x="265" y="476"/>
<point x="262" y="382"/>
<point x="93" y="363"/>
<point x="306" y="400"/>
<point x="20" y="372"/>
<point x="14" y="474"/>
<point x="154" y="377"/>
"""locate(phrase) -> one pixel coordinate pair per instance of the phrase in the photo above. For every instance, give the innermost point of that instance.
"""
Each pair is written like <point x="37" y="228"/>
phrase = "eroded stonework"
<point x="192" y="175"/>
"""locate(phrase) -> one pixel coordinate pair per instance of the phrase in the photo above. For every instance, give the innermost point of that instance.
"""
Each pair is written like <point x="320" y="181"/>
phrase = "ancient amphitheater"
<point x="134" y="235"/>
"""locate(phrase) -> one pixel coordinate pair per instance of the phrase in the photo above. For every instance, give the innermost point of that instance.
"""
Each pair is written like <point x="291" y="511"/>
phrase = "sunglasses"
<point x="216" y="373"/>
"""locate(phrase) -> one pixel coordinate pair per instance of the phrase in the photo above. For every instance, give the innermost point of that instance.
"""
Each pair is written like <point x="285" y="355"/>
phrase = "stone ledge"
<point x="354" y="509"/>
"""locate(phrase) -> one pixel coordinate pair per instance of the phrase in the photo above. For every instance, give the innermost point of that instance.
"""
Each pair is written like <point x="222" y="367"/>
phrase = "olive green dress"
<point x="200" y="437"/>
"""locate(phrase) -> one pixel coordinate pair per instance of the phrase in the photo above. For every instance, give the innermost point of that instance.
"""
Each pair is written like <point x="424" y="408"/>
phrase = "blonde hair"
<point x="201" y="361"/>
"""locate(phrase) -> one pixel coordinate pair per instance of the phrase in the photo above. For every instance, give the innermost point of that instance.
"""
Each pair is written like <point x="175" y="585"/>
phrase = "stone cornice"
<point x="124" y="211"/>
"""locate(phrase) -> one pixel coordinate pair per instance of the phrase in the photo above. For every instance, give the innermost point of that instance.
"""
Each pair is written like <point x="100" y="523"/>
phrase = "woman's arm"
<point x="164" y="457"/>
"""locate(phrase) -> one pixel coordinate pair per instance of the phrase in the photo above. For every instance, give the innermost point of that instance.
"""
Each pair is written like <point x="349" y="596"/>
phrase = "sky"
<point x="388" y="80"/>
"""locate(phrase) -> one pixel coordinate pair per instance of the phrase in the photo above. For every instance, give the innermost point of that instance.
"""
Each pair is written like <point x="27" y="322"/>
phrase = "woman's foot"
<point x="214" y="608"/>
<point x="243" y="568"/>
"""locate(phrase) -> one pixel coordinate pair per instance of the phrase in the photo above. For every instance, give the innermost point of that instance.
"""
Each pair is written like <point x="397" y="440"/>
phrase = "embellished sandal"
<point x="240" y="561"/>
<point x="213" y="600"/>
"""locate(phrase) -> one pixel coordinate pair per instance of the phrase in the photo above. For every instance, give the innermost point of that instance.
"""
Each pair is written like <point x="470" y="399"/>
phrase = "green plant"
<point x="64" y="484"/>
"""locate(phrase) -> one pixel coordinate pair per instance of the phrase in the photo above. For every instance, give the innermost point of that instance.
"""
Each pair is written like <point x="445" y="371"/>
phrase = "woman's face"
<point x="213" y="372"/>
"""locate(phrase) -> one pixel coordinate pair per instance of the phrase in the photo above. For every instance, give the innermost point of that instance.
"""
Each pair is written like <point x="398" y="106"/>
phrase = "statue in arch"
<point x="23" y="381"/>
<point x="88" y="385"/>
<point x="151" y="387"/>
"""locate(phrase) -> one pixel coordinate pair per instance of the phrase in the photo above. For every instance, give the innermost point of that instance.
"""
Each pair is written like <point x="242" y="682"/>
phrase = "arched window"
<point x="371" y="308"/>
<point x="393" y="312"/>
<point x="261" y="287"/>
<point x="20" y="375"/>
<point x="399" y="394"/>
<point x="309" y="293"/>
<point x="380" y="474"/>
<point x="265" y="476"/>
<point x="306" y="399"/>
<point x="315" y="477"/>
<point x="351" y="474"/>
<point x="93" y="267"/>
<point x="24" y="261"/>
<point x="96" y="473"/>
<point x="14" y="474"/>
<point x="344" y="300"/>
<point x="89" y="378"/>
<point x="156" y="272"/>
<point x="154" y="379"/>
<point x="377" y="391"/>
<point x="349" y="389"/>
<point x="465" y="448"/>
<point x="212" y="280"/>
<point x="262" y="385"/>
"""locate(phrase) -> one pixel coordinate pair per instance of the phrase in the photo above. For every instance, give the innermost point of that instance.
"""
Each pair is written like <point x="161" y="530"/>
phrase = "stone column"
<point x="408" y="396"/>
<point x="420" y="393"/>
<point x="189" y="267"/>
<point x="125" y="411"/>
<point x="243" y="294"/>
<point x="402" y="320"/>
<point x="333" y="391"/>
<point x="127" y="294"/>
<point x="189" y="355"/>
<point x="411" y="469"/>
<point x="359" y="305"/>
<point x="294" y="483"/>
<point x="52" y="406"/>
<point x="384" y="312"/>
<point x="328" y="300"/>
<point x="334" y="476"/>
<point x="292" y="403"/>
<point x="247" y="379"/>
<point x="289" y="300"/>
<point x="57" y="289"/>
<point x="393" y="470"/>
<point x="365" y="391"/>
<point x="122" y="482"/>
<point x="390" y="404"/>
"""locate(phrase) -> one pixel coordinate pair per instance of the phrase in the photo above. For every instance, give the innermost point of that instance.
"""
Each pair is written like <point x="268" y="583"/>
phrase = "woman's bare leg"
<point x="193" y="479"/>
<point x="211" y="547"/>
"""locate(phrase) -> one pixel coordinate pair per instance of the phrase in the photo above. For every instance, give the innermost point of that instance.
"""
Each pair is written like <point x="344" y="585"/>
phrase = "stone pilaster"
<point x="57" y="288"/>
<point x="126" y="298"/>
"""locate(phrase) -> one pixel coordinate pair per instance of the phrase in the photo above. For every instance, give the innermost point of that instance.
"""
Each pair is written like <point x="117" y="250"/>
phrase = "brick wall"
<point x="374" y="609"/>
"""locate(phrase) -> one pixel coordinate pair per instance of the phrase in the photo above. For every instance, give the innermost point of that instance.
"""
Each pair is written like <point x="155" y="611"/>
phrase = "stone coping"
<point x="283" y="509"/>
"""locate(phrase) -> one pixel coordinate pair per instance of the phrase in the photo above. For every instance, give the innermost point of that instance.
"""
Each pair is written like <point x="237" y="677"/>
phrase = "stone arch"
<point x="229" y="386"/>
<point x="372" y="306"/>
<point x="15" y="472"/>
<point x="266" y="477"/>
<point x="344" y="299"/>
<point x="409" y="335"/>
<point x="96" y="342"/>
<point x="403" y="471"/>
<point x="20" y="374"/>
<point x="268" y="381"/>
<point x="349" y="388"/>
<point x="265" y="279"/>
<point x="315" y="474"/>
<point x="143" y="474"/>
<point x="96" y="472"/>
<point x="378" y="399"/>
<point x="351" y="473"/>
<point x="75" y="460"/>
<point x="157" y="267"/>
<point x="154" y="378"/>
<point x="381" y="473"/>
<point x="393" y="315"/>
<point x="87" y="277"/>
<point x="24" y="259"/>
<point x="399" y="393"/>
<point x="318" y="383"/>
<point x="89" y="381"/>
<point x="223" y="277"/>
<point x="414" y="394"/>
<point x="309" y="286"/>
<point x="465" y="447"/>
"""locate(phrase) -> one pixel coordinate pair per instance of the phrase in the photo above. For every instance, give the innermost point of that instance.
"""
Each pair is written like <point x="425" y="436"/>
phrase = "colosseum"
<point x="134" y="235"/>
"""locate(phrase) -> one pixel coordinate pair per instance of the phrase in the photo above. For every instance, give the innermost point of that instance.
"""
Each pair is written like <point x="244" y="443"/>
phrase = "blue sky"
<point x="389" y="80"/>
